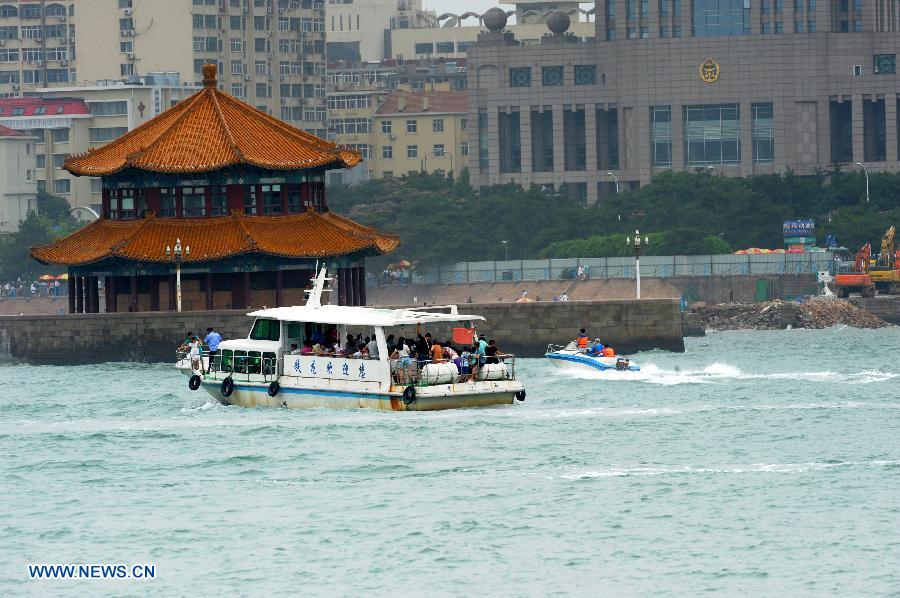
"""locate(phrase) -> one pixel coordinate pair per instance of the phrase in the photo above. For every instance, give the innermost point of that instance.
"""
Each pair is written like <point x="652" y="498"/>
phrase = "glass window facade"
<point x="874" y="131"/>
<point x="661" y="136"/>
<point x="483" y="161"/>
<point x="841" y="117"/>
<point x="885" y="64"/>
<point x="712" y="135"/>
<point x="763" y="133"/>
<point x="552" y="76"/>
<point x="714" y="18"/>
<point x="585" y="74"/>
<point x="510" y="142"/>
<point x="520" y="77"/>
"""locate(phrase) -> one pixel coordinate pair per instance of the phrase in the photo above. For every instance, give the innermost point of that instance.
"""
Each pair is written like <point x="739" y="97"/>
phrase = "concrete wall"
<point x="884" y="306"/>
<point x="524" y="329"/>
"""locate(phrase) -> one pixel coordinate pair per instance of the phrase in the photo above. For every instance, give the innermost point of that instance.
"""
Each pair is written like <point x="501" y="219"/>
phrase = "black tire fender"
<point x="520" y="396"/>
<point x="194" y="382"/>
<point x="274" y="388"/>
<point x="227" y="387"/>
<point x="409" y="395"/>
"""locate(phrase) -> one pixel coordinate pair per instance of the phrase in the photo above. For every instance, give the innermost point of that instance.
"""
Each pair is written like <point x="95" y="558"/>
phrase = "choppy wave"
<point x="723" y="373"/>
<point x="622" y="471"/>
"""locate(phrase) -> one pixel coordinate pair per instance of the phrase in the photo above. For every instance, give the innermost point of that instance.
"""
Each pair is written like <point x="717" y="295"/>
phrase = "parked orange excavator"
<point x="856" y="280"/>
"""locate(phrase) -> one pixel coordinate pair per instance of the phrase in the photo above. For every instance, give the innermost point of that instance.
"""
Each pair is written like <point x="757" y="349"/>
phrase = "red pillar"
<point x="72" y="292"/>
<point x="245" y="284"/>
<point x="279" y="288"/>
<point x="134" y="294"/>
<point x="209" y="290"/>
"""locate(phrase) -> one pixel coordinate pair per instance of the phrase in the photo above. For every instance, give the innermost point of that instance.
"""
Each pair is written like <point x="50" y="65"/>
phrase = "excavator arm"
<point x="861" y="263"/>
<point x="886" y="257"/>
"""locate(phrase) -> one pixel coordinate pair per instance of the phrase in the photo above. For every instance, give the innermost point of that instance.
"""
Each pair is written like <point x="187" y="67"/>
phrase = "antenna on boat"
<point x="314" y="295"/>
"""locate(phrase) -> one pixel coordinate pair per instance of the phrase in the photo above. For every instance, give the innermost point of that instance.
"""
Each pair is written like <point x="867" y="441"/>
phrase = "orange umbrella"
<point x="47" y="277"/>
<point x="63" y="276"/>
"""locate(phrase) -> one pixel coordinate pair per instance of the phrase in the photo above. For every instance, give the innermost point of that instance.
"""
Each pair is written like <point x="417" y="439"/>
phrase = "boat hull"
<point x="452" y="396"/>
<point x="585" y="363"/>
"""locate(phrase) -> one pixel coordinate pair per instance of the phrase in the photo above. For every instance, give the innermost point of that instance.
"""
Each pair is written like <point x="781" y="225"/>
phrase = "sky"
<point x="459" y="6"/>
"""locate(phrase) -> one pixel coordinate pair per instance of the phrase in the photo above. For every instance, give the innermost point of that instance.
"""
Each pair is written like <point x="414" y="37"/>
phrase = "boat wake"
<point x="720" y="373"/>
<point x="613" y="471"/>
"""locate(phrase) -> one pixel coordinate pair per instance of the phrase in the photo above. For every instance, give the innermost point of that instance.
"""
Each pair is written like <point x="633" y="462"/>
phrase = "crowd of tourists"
<point x="425" y="349"/>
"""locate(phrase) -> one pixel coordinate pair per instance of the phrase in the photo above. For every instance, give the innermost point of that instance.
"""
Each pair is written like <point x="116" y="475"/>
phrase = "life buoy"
<point x="194" y="382"/>
<point x="227" y="387"/>
<point x="520" y="396"/>
<point x="409" y="395"/>
<point x="274" y="387"/>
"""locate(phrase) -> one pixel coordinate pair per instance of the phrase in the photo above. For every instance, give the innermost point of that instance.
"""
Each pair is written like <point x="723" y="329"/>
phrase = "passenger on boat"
<point x="465" y="364"/>
<point x="437" y="352"/>
<point x="492" y="352"/>
<point x="582" y="340"/>
<point x="597" y="348"/>
<point x="194" y="352"/>
<point x="372" y="347"/>
<point x="482" y="348"/>
<point x="212" y="341"/>
<point x="306" y="349"/>
<point x="474" y="362"/>
<point x="390" y="343"/>
<point x="294" y="349"/>
<point x="449" y="354"/>
<point x="350" y="347"/>
<point x="609" y="352"/>
<point x="186" y="343"/>
<point x="423" y="347"/>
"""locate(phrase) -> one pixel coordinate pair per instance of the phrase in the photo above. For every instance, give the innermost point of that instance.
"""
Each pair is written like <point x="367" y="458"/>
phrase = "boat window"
<point x="295" y="330"/>
<point x="226" y="359"/>
<point x="265" y="330"/>
<point x="240" y="362"/>
<point x="253" y="362"/>
<point x="269" y="363"/>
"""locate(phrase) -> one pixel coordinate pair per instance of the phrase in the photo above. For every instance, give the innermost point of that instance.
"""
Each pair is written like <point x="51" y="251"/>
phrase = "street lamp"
<point x="616" y="179"/>
<point x="505" y="250"/>
<point x="178" y="256"/>
<point x="866" y="172"/>
<point x="638" y="249"/>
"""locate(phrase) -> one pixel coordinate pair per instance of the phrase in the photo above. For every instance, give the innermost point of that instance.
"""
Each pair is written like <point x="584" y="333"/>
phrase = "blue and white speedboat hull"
<point x="574" y="360"/>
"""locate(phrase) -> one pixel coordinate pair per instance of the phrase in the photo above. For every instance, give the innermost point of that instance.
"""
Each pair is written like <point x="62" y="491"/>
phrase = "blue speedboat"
<point x="571" y="357"/>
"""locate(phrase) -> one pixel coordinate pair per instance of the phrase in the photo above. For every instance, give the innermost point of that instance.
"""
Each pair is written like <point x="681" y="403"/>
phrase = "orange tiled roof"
<point x="208" y="131"/>
<point x="311" y="234"/>
<point x="425" y="102"/>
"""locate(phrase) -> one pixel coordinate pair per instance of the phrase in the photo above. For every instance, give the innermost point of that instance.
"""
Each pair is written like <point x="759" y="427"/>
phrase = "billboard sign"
<point x="799" y="228"/>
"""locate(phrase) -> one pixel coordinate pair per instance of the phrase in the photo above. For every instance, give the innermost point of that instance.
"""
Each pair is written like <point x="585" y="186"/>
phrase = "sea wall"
<point x="886" y="307"/>
<point x="522" y="328"/>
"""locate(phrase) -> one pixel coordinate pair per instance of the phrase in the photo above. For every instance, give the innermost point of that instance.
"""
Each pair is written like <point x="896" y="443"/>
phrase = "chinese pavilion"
<point x="243" y="190"/>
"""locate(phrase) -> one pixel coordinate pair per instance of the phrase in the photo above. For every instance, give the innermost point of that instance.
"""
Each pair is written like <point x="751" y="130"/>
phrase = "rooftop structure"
<point x="243" y="190"/>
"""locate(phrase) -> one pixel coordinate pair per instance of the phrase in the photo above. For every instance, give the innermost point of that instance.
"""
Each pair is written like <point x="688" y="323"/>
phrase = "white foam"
<point x="620" y="471"/>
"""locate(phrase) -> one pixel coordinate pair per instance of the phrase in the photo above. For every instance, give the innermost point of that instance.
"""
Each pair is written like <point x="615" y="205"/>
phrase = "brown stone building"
<point x="243" y="190"/>
<point x="727" y="86"/>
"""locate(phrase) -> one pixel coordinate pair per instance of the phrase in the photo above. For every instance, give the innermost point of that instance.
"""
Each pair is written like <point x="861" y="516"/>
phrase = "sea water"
<point x="756" y="462"/>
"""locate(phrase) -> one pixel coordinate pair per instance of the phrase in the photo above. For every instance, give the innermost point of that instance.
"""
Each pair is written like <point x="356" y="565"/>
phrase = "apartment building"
<point x="420" y="132"/>
<point x="37" y="44"/>
<point x="71" y="120"/>
<point x="18" y="191"/>
<point x="269" y="53"/>
<point x="729" y="87"/>
<point x="356" y="28"/>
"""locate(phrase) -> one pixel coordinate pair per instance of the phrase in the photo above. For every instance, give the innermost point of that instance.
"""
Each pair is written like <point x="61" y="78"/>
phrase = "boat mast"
<point x="314" y="295"/>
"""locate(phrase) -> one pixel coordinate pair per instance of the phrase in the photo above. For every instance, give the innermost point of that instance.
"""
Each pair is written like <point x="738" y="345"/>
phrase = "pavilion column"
<point x="209" y="290"/>
<point x="93" y="295"/>
<point x="173" y="298"/>
<point x="134" y="294"/>
<point x="107" y="306"/>
<point x="362" y="285"/>
<point x="245" y="283"/>
<point x="236" y="298"/>
<point x="79" y="294"/>
<point x="353" y="295"/>
<point x="111" y="299"/>
<point x="279" y="288"/>
<point x="154" y="293"/>
<point x="342" y="286"/>
<point x="72" y="292"/>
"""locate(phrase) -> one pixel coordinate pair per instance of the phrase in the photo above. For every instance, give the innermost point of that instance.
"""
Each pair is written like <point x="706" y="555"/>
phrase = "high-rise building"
<point x="723" y="86"/>
<point x="357" y="29"/>
<point x="37" y="44"/>
<point x="18" y="191"/>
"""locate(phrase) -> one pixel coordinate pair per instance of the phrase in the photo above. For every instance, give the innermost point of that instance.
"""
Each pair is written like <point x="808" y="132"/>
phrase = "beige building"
<point x="420" y="132"/>
<point x="356" y="28"/>
<point x="18" y="191"/>
<point x="37" y="44"/>
<point x="72" y="120"/>
<point x="270" y="53"/>
<point x="709" y="86"/>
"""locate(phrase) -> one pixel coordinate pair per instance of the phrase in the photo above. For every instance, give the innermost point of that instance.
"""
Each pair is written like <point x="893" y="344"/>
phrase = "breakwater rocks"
<point x="779" y="315"/>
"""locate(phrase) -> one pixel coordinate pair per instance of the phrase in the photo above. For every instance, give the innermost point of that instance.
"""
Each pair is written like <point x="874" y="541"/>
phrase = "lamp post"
<point x="638" y="247"/>
<point x="178" y="256"/>
<point x="615" y="179"/>
<point x="505" y="250"/>
<point x="866" y="172"/>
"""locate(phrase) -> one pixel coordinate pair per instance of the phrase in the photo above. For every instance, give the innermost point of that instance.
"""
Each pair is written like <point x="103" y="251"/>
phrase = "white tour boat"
<point x="261" y="370"/>
<point x="571" y="357"/>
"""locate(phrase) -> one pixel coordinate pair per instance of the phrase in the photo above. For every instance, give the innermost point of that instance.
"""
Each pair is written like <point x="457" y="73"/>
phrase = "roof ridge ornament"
<point x="210" y="76"/>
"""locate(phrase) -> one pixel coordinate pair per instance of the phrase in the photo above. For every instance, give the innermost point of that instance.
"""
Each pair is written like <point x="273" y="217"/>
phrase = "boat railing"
<point x="242" y="368"/>
<point x="408" y="371"/>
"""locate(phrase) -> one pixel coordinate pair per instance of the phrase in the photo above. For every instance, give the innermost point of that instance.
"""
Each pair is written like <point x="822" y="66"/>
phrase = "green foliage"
<point x="440" y="220"/>
<point x="53" y="222"/>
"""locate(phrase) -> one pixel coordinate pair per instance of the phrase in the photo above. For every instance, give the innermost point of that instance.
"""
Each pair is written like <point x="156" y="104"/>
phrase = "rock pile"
<point x="778" y="315"/>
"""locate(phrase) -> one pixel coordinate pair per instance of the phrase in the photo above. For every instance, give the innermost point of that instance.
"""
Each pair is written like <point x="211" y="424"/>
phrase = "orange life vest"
<point x="608" y="352"/>
<point x="582" y="342"/>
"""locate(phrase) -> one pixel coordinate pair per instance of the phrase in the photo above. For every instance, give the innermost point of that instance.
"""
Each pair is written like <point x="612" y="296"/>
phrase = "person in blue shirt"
<point x="212" y="341"/>
<point x="482" y="347"/>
